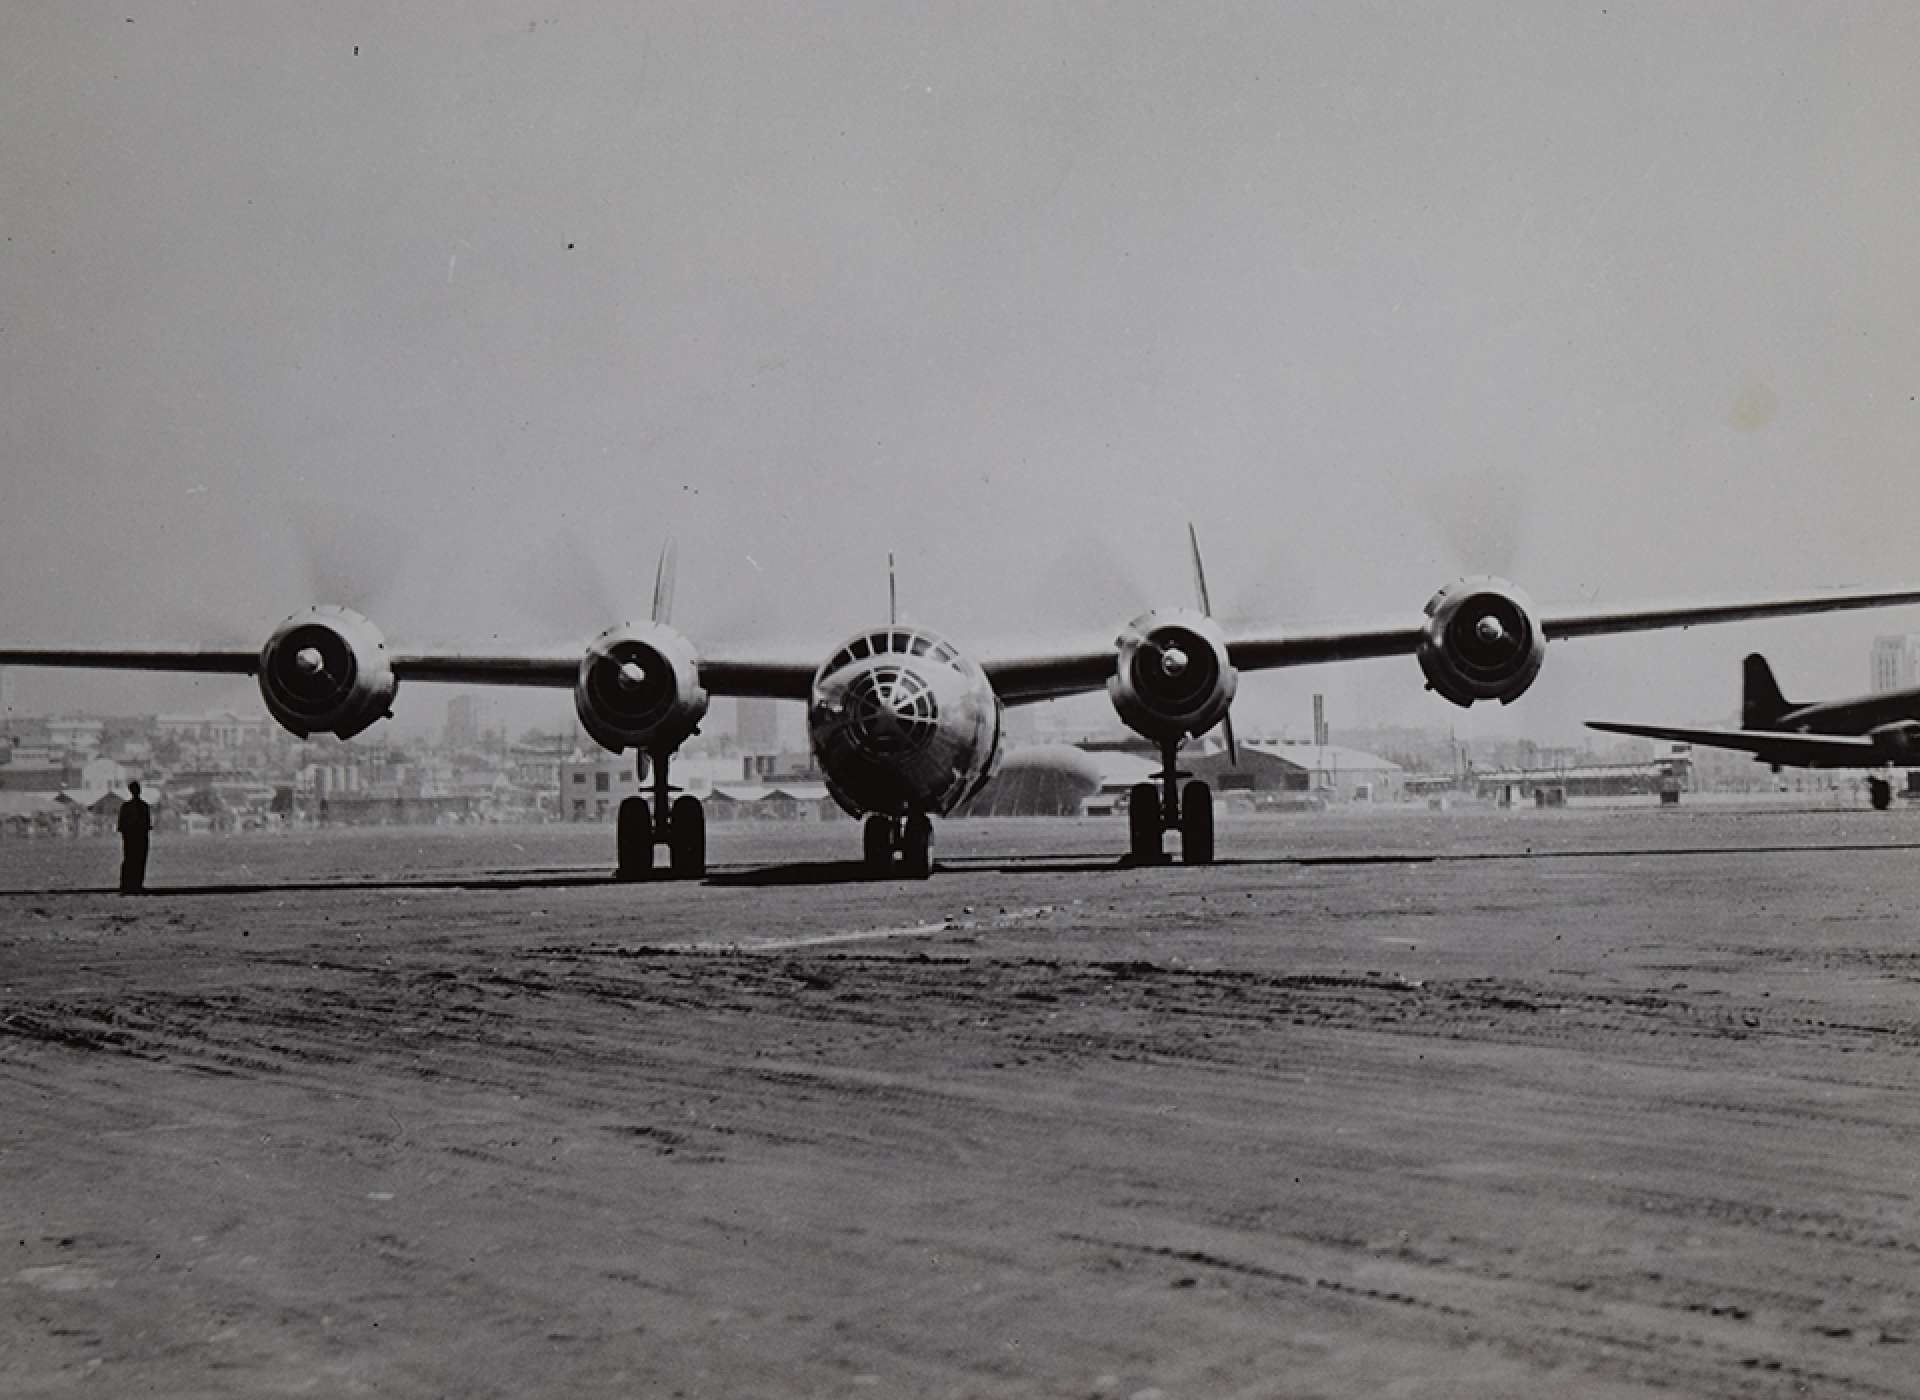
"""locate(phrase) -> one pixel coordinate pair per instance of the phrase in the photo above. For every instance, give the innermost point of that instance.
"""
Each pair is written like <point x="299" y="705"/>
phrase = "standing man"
<point x="136" y="822"/>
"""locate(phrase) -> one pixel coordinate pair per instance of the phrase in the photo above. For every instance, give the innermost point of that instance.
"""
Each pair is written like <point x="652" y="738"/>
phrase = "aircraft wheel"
<point x="1880" y="793"/>
<point x="633" y="839"/>
<point x="876" y="843"/>
<point x="687" y="839"/>
<point x="1196" y="824"/>
<point x="916" y="848"/>
<point x="1143" y="824"/>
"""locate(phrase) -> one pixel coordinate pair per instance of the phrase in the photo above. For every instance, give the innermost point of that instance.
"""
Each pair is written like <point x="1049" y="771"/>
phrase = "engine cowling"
<point x="639" y="687"/>
<point x="326" y="670"/>
<point x="1898" y="742"/>
<point x="1484" y="642"/>
<point x="1172" y="677"/>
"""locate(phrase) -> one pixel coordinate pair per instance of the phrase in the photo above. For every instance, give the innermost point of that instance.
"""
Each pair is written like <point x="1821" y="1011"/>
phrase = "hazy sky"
<point x="1623" y="298"/>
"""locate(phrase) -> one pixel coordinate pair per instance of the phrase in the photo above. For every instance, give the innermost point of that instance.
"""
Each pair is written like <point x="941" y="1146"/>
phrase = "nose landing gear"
<point x="910" y="837"/>
<point x="1153" y="810"/>
<point x="678" y="823"/>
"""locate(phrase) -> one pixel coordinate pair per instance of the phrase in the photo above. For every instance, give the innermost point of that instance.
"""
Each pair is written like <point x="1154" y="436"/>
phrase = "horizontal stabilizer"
<point x="1788" y="749"/>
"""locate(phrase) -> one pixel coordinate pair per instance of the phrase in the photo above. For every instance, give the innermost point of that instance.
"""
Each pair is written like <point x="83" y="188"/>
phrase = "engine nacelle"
<point x="326" y="670"/>
<point x="1483" y="642"/>
<point x="1898" y="742"/>
<point x="639" y="687"/>
<point x="1172" y="677"/>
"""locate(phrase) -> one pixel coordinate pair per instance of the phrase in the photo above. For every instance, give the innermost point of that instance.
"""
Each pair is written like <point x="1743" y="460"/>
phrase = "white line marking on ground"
<point x="865" y="935"/>
<point x="965" y="924"/>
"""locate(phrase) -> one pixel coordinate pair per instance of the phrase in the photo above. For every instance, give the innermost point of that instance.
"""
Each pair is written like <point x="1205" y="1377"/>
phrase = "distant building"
<point x="1055" y="779"/>
<point x="1330" y="772"/>
<point x="72" y="734"/>
<point x="100" y="774"/>
<point x="222" y="729"/>
<point x="592" y="785"/>
<point x="734" y="802"/>
<point x="1895" y="664"/>
<point x="758" y="724"/>
<point x="1041" y="780"/>
<point x="1511" y="785"/>
<point x="467" y="717"/>
<point x="37" y="774"/>
<point x="794" y="767"/>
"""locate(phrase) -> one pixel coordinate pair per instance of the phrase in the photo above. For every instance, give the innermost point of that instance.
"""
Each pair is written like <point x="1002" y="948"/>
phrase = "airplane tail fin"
<point x="1761" y="703"/>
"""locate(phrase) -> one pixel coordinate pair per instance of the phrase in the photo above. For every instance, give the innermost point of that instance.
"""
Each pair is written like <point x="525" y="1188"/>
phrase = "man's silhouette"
<point x="136" y="822"/>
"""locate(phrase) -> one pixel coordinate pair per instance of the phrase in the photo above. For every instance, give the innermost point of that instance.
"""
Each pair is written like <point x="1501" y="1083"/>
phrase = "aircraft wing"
<point x="552" y="668"/>
<point x="781" y="679"/>
<point x="1786" y="748"/>
<point x="1023" y="679"/>
<point x="559" y="667"/>
<point x="209" y="661"/>
<point x="1594" y="621"/>
<point x="1017" y="678"/>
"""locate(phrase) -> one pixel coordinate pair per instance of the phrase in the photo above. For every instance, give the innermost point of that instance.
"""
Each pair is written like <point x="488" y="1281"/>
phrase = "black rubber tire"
<point x="916" y="848"/>
<point x="1143" y="824"/>
<point x="1196" y="824"/>
<point x="633" y="840"/>
<point x="1880" y="793"/>
<point x="687" y="839"/>
<point x="876" y="841"/>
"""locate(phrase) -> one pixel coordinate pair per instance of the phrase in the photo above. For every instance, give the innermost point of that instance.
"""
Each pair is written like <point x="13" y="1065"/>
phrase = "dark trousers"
<point x="133" y="864"/>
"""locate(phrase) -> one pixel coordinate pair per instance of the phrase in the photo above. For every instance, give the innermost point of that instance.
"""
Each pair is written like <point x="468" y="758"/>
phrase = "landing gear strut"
<point x="1153" y="810"/>
<point x="909" y="837"/>
<point x="678" y="823"/>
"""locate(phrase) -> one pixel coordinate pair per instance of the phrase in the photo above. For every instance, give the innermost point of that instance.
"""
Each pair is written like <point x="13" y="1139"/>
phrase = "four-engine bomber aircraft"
<point x="904" y="725"/>
<point x="1861" y="731"/>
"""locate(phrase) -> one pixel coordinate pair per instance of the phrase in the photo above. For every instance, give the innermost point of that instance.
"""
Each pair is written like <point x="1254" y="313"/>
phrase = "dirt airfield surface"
<point x="1588" y="1103"/>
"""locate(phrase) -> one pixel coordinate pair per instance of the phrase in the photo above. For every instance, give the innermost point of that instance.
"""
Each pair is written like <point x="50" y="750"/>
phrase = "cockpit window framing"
<point x="901" y="642"/>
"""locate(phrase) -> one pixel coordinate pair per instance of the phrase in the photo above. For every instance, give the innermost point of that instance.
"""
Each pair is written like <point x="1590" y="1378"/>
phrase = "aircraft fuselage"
<point x="1855" y="715"/>
<point x="902" y="723"/>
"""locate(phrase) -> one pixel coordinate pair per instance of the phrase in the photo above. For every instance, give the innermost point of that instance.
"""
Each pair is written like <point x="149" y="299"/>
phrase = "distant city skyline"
<point x="1894" y="663"/>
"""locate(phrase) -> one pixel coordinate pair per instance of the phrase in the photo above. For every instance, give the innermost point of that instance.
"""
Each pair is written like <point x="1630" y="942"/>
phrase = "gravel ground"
<point x="1608" y="1102"/>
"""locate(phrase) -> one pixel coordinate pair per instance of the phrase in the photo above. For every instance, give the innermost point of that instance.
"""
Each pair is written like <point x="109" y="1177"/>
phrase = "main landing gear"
<point x="678" y="823"/>
<point x="1153" y="810"/>
<point x="1880" y="793"/>
<point x="910" y="838"/>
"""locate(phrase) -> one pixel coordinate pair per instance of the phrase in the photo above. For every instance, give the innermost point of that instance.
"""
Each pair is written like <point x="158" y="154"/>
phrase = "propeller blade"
<point x="1233" y="746"/>
<point x="1199" y="571"/>
<point x="663" y="583"/>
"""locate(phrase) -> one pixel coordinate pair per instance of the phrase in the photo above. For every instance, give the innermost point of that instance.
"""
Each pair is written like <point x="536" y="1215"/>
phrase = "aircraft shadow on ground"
<point x="854" y="872"/>
<point x="452" y="882"/>
<point x="806" y="872"/>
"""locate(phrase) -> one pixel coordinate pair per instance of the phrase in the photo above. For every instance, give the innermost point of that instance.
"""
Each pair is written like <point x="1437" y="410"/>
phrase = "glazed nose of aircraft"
<point x="892" y="711"/>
